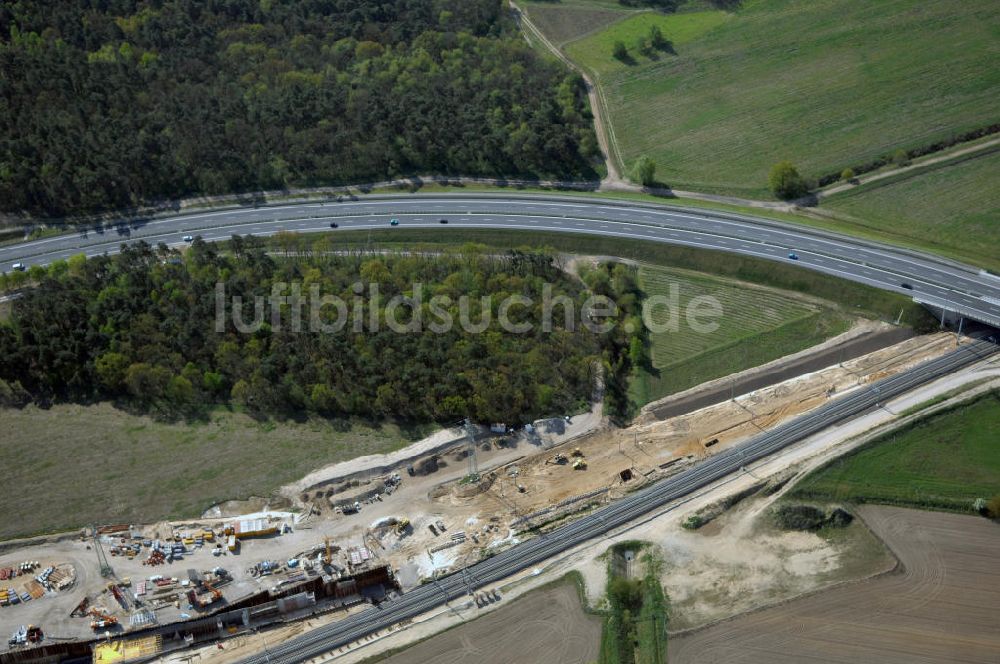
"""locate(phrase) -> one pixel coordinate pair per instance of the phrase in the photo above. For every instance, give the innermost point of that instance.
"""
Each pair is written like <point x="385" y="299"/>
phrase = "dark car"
<point x="793" y="256"/>
<point x="394" y="222"/>
<point x="906" y="286"/>
<point x="333" y="224"/>
<point x="442" y="221"/>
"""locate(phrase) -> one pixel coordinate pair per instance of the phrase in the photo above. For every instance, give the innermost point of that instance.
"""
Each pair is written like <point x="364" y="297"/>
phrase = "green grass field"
<point x="758" y="325"/>
<point x="944" y="461"/>
<point x="594" y="52"/>
<point x="953" y="207"/>
<point x="825" y="83"/>
<point x="101" y="464"/>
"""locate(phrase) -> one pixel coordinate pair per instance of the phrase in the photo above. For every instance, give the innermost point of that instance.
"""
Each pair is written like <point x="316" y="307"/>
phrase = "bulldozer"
<point x="577" y="452"/>
<point x="580" y="464"/>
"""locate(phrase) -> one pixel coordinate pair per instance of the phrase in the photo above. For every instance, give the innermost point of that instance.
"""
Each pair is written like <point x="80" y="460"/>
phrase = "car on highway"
<point x="906" y="286"/>
<point x="188" y="238"/>
<point x="333" y="224"/>
<point x="394" y="222"/>
<point x="18" y="267"/>
<point x="793" y="256"/>
<point x="442" y="221"/>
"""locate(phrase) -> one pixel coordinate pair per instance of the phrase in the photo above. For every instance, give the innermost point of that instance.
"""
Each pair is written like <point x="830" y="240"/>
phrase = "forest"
<point x="141" y="328"/>
<point x="118" y="103"/>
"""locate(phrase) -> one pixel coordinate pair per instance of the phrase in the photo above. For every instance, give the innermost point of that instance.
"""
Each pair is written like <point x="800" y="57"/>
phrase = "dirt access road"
<point x="547" y="625"/>
<point x="939" y="606"/>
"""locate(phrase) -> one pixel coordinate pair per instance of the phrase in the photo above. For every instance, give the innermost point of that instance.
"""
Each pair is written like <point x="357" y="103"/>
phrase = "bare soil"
<point x="654" y="448"/>
<point x="940" y="605"/>
<point x="741" y="561"/>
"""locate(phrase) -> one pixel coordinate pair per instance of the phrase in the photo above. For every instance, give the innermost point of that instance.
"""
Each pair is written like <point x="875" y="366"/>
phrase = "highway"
<point x="934" y="281"/>
<point x="534" y="551"/>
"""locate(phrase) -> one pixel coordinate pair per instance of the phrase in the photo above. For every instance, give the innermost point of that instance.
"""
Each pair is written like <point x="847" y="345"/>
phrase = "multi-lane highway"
<point x="534" y="551"/>
<point x="961" y="289"/>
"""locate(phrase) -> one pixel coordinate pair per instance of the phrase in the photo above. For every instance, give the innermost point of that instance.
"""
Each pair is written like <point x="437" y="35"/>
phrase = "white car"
<point x="19" y="267"/>
<point x="189" y="238"/>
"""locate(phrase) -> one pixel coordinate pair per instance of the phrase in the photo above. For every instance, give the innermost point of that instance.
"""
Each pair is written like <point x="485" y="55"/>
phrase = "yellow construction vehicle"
<point x="577" y="452"/>
<point x="402" y="525"/>
<point x="580" y="464"/>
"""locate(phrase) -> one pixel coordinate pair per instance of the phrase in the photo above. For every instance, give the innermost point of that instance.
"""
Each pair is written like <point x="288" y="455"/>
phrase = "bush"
<point x="644" y="171"/>
<point x="799" y="517"/>
<point x="620" y="51"/>
<point x="847" y="174"/>
<point x="900" y="158"/>
<point x="993" y="507"/>
<point x="839" y="518"/>
<point x="809" y="517"/>
<point x="785" y="181"/>
<point x="693" y="522"/>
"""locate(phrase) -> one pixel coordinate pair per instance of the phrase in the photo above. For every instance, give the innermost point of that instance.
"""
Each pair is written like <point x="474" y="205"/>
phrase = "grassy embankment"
<point x="944" y="461"/>
<point x="757" y="326"/>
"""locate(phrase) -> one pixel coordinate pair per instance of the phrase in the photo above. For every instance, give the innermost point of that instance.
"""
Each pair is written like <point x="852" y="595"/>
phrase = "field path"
<point x="939" y="606"/>
<point x="942" y="156"/>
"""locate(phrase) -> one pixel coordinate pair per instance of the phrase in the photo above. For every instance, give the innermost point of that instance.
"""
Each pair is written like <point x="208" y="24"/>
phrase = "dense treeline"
<point x="111" y="104"/>
<point x="140" y="327"/>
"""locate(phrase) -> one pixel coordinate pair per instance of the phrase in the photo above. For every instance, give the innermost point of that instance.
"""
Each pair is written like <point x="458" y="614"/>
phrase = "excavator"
<point x="216" y="595"/>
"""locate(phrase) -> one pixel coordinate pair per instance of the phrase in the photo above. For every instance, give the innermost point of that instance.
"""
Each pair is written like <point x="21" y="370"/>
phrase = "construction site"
<point x="360" y="533"/>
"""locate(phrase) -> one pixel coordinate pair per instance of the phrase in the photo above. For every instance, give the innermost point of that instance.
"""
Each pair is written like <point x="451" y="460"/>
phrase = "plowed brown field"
<point x="547" y="626"/>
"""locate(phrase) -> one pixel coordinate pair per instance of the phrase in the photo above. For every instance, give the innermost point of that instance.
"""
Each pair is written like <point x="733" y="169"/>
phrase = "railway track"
<point x="534" y="551"/>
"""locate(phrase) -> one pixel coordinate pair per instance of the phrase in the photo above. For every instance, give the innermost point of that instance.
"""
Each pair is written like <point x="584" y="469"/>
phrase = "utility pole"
<point x="958" y="337"/>
<point x="473" y="461"/>
<point x="102" y="559"/>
